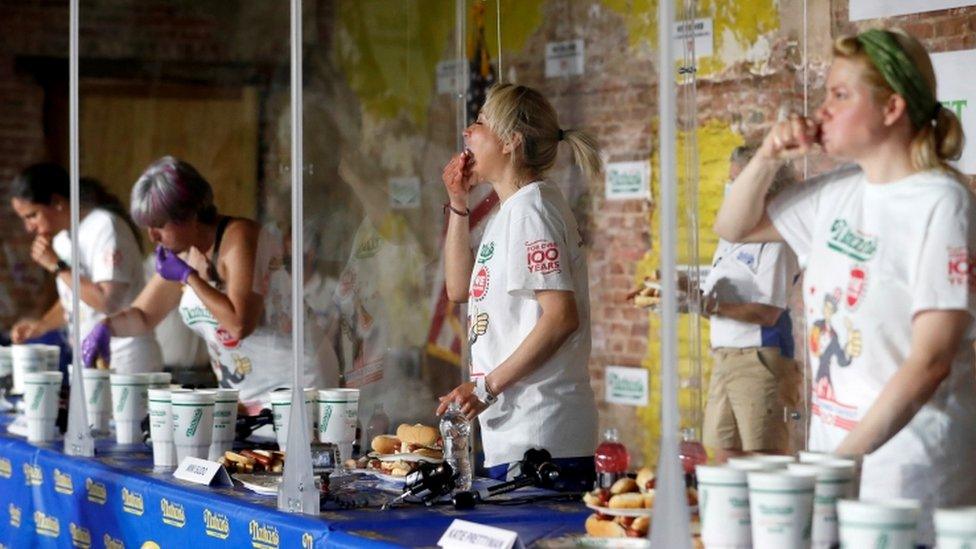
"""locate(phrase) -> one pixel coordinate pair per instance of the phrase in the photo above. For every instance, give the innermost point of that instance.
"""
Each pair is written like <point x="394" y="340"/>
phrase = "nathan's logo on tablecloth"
<point x="263" y="536"/>
<point x="172" y="513"/>
<point x="216" y="524"/>
<point x="194" y="422"/>
<point x="33" y="476"/>
<point x="46" y="525"/>
<point x="80" y="537"/>
<point x="132" y="502"/>
<point x="96" y="491"/>
<point x="307" y="541"/>
<point x="15" y="513"/>
<point x="6" y="468"/>
<point x="62" y="483"/>
<point x="112" y="543"/>
<point x="851" y="242"/>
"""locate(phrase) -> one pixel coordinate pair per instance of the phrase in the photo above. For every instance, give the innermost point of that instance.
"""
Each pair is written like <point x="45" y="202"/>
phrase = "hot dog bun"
<point x="385" y="444"/>
<point x="630" y="500"/>
<point x="423" y="435"/>
<point x="599" y="528"/>
<point x="623" y="485"/>
<point x="645" y="479"/>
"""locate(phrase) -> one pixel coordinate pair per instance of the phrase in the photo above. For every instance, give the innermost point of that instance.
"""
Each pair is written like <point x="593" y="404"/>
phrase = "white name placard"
<point x="565" y="58"/>
<point x="201" y="471"/>
<point x="464" y="534"/>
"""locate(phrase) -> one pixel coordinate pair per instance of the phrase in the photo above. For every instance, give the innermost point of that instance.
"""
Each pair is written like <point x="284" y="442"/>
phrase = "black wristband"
<point x="465" y="213"/>
<point x="61" y="266"/>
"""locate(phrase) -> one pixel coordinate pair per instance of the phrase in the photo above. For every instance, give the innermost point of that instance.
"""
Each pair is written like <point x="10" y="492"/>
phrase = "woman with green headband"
<point x="888" y="248"/>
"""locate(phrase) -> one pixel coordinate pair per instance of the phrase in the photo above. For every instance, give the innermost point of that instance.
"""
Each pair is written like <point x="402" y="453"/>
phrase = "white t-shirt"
<point x="752" y="273"/>
<point x="108" y="253"/>
<point x="875" y="255"/>
<point x="532" y="243"/>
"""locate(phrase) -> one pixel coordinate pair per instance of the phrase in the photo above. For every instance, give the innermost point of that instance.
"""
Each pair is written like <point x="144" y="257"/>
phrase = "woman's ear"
<point x="894" y="108"/>
<point x="512" y="144"/>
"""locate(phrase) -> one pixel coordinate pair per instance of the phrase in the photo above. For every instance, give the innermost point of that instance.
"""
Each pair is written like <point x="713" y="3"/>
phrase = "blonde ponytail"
<point x="586" y="152"/>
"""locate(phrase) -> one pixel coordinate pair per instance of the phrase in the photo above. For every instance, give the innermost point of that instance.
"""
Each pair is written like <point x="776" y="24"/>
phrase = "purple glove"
<point x="96" y="344"/>
<point x="170" y="266"/>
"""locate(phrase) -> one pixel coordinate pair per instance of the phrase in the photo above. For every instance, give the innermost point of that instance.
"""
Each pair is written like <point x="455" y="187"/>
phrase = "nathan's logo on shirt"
<point x="216" y="524"/>
<point x="15" y="513"/>
<point x="112" y="543"/>
<point x="482" y="280"/>
<point x="62" y="483"/>
<point x="851" y="242"/>
<point x="197" y="315"/>
<point x="33" y="476"/>
<point x="173" y="513"/>
<point x="961" y="266"/>
<point x="263" y="536"/>
<point x="80" y="537"/>
<point x="226" y="339"/>
<point x="96" y="491"/>
<point x="542" y="257"/>
<point x="368" y="248"/>
<point x="486" y="252"/>
<point x="6" y="468"/>
<point x="856" y="285"/>
<point x="46" y="525"/>
<point x="132" y="502"/>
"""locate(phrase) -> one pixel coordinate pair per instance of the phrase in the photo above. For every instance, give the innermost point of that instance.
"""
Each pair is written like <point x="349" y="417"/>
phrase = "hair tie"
<point x="561" y="135"/>
<point x="935" y="113"/>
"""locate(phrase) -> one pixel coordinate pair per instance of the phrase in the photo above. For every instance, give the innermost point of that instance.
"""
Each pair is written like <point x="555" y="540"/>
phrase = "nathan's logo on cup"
<point x="263" y="536"/>
<point x="216" y="524"/>
<point x="33" y="476"/>
<point x="62" y="483"/>
<point x="307" y="541"/>
<point x="38" y="398"/>
<point x="96" y="394"/>
<point x="194" y="422"/>
<point x="124" y="396"/>
<point x="46" y="525"/>
<point x="15" y="513"/>
<point x="80" y="537"/>
<point x="173" y="513"/>
<point x="112" y="543"/>
<point x="324" y="420"/>
<point x="6" y="468"/>
<point x="96" y="491"/>
<point x="132" y="502"/>
<point x="776" y="509"/>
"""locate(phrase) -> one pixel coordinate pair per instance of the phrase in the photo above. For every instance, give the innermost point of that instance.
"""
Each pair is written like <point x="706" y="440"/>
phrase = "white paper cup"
<point x="161" y="427"/>
<point x="747" y="464"/>
<point x="224" y="424"/>
<point x="781" y="509"/>
<point x="98" y="391"/>
<point x="338" y="412"/>
<point x="775" y="459"/>
<point x="6" y="362"/>
<point x="888" y="524"/>
<point x="192" y="423"/>
<point x="130" y="403"/>
<point x="53" y="355"/>
<point x="26" y="359"/>
<point x="817" y="457"/>
<point x="41" y="390"/>
<point x="160" y="380"/>
<point x="281" y="410"/>
<point x="723" y="505"/>
<point x="835" y="480"/>
<point x="955" y="528"/>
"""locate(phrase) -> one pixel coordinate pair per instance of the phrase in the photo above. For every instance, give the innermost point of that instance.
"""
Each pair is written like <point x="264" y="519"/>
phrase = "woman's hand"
<point x="458" y="180"/>
<point x="171" y="267"/>
<point x="97" y="344"/>
<point x="791" y="138"/>
<point x="463" y="394"/>
<point x="43" y="253"/>
<point x="24" y="330"/>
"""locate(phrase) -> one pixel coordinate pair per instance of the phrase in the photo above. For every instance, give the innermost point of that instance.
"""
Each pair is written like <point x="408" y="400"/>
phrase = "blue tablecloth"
<point x="117" y="500"/>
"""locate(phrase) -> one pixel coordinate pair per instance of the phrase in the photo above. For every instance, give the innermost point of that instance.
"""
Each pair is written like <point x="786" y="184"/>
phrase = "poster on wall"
<point x="873" y="9"/>
<point x="564" y="58"/>
<point x="628" y="180"/>
<point x="957" y="92"/>
<point x="697" y="30"/>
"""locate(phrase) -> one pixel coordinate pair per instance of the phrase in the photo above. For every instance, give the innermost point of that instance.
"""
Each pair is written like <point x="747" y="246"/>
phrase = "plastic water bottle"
<point x="611" y="459"/>
<point x="456" y="432"/>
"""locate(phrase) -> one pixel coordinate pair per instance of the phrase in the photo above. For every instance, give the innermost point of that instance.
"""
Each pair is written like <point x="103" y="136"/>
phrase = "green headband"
<point x="901" y="74"/>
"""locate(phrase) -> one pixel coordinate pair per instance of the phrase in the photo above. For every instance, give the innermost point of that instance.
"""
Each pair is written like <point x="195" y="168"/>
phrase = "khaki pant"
<point x="750" y="389"/>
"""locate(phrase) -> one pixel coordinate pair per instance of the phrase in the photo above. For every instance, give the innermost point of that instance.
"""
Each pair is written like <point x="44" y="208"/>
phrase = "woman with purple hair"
<point x="220" y="272"/>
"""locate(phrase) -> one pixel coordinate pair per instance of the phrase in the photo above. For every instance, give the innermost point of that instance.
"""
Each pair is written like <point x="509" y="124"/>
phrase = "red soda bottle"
<point x="691" y="451"/>
<point x="611" y="460"/>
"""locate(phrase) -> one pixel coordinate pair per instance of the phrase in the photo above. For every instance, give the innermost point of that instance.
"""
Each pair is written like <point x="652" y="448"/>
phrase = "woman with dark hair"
<point x="225" y="276"/>
<point x="109" y="258"/>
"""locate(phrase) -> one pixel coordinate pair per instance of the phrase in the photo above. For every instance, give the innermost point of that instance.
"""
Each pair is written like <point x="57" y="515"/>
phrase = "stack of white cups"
<point x="160" y="380"/>
<point x="53" y="355"/>
<point x="955" y="528"/>
<point x="193" y="416"/>
<point x="338" y="414"/>
<point x="161" y="426"/>
<point x="723" y="505"/>
<point x="224" y="423"/>
<point x="780" y="509"/>
<point x="281" y="410"/>
<point x="889" y="524"/>
<point x="130" y="403"/>
<point x="41" y="394"/>
<point x="98" y="392"/>
<point x="835" y="480"/>
<point x="26" y="359"/>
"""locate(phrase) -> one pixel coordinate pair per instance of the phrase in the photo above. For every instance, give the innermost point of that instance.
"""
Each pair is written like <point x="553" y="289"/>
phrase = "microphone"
<point x="428" y="482"/>
<point x="535" y="469"/>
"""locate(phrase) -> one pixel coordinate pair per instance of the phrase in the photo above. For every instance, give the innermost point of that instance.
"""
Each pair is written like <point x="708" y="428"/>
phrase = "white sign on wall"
<point x="873" y="9"/>
<point x="404" y="192"/>
<point x="957" y="92"/>
<point x="700" y="30"/>
<point x="628" y="180"/>
<point x="626" y="385"/>
<point x="564" y="58"/>
<point x="447" y="75"/>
